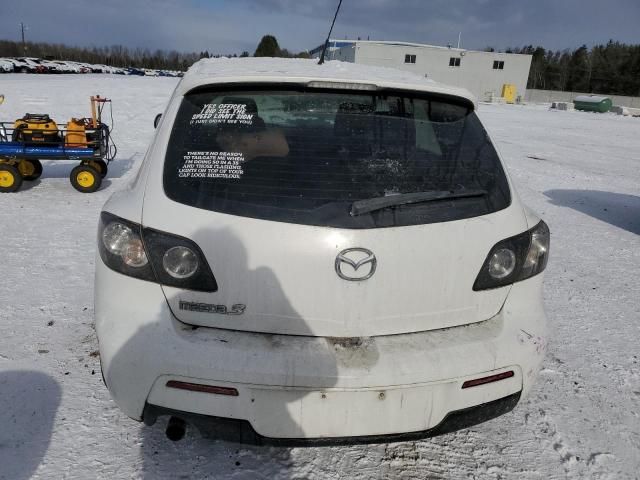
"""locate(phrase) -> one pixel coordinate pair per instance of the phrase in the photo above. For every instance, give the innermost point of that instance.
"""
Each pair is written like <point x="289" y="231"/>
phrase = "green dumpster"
<point x="592" y="103"/>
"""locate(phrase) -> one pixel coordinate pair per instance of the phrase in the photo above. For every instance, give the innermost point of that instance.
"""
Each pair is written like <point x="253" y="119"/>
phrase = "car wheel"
<point x="10" y="178"/>
<point x="85" y="179"/>
<point x="30" y="169"/>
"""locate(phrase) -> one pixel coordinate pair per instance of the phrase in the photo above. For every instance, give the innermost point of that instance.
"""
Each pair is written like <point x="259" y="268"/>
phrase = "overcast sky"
<point x="231" y="26"/>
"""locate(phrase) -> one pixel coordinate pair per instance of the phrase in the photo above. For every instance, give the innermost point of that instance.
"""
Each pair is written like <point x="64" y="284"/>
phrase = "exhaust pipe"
<point x="176" y="428"/>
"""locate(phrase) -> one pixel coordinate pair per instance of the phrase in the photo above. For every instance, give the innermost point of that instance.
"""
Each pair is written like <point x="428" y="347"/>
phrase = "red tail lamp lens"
<point x="489" y="379"/>
<point x="196" y="387"/>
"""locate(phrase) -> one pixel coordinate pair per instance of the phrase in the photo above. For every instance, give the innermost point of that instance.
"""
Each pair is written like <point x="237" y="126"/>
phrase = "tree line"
<point x="115" y="55"/>
<point x="123" y="57"/>
<point x="612" y="69"/>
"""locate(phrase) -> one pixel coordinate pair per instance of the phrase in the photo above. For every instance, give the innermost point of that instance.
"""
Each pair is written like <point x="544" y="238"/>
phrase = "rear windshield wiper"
<point x="378" y="203"/>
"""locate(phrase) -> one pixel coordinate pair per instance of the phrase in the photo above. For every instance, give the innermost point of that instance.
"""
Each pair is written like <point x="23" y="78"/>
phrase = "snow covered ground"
<point x="580" y="171"/>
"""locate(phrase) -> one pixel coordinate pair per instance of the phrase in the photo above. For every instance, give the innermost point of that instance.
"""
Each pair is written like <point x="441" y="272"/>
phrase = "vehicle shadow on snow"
<point x="28" y="404"/>
<point x="28" y="185"/>
<point x="202" y="454"/>
<point x="617" y="209"/>
<point x="118" y="167"/>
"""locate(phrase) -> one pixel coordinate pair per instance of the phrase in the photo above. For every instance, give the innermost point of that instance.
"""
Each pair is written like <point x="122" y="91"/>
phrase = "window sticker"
<point x="224" y="113"/>
<point x="212" y="165"/>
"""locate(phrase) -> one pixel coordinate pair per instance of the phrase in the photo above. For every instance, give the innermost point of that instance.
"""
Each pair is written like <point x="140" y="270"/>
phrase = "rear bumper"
<point x="241" y="431"/>
<point x="312" y="387"/>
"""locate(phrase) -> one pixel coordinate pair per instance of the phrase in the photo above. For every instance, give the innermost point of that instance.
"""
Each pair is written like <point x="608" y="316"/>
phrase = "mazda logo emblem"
<point x="356" y="258"/>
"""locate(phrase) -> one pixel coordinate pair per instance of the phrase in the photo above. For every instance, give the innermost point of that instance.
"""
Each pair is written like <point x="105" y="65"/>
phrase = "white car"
<point x="34" y="65"/>
<point x="19" y="65"/>
<point x="64" y="67"/>
<point x="108" y="69"/>
<point x="6" y="66"/>
<point x="51" y="66"/>
<point x="77" y="67"/>
<point x="319" y="254"/>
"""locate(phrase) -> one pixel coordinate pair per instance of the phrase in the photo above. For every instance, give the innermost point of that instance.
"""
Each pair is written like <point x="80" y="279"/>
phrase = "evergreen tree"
<point x="579" y="75"/>
<point x="268" y="47"/>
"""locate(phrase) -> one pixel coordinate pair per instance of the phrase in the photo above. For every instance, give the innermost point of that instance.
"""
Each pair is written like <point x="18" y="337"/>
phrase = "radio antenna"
<point x="326" y="43"/>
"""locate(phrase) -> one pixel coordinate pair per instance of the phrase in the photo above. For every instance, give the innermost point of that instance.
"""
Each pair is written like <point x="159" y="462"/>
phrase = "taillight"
<point x="178" y="262"/>
<point x="121" y="247"/>
<point x="515" y="259"/>
<point x="153" y="255"/>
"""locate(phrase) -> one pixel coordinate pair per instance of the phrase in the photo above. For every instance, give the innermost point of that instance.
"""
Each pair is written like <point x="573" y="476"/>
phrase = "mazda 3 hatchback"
<point x="319" y="253"/>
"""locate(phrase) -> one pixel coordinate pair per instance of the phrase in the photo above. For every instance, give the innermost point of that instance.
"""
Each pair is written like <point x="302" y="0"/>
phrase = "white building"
<point x="483" y="73"/>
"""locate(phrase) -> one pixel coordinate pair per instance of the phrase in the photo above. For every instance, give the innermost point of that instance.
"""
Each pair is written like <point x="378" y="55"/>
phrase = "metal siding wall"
<point x="344" y="54"/>
<point x="475" y="72"/>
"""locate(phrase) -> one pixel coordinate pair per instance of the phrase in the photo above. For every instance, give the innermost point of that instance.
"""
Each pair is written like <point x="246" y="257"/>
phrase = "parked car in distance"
<point x="64" y="67"/>
<point x="6" y="66"/>
<point x="328" y="254"/>
<point x="135" y="71"/>
<point x="34" y="65"/>
<point x="109" y="69"/>
<point x="37" y="65"/>
<point x="51" y="66"/>
<point x="20" y="66"/>
<point x="84" y="68"/>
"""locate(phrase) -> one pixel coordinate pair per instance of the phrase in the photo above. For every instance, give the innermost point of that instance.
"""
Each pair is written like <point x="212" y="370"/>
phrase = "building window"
<point x="454" y="62"/>
<point x="409" y="58"/>
<point x="498" y="65"/>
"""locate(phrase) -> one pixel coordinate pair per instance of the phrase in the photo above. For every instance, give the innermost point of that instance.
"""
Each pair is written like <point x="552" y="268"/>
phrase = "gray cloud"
<point x="499" y="23"/>
<point x="224" y="26"/>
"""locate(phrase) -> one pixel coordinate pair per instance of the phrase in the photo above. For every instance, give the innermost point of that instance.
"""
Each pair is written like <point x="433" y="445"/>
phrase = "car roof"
<point x="280" y="70"/>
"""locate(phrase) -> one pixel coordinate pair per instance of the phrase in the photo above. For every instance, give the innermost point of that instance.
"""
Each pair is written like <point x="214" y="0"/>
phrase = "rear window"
<point x="305" y="156"/>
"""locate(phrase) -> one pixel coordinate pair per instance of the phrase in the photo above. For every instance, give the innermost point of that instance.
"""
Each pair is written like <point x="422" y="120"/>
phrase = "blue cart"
<point x="26" y="141"/>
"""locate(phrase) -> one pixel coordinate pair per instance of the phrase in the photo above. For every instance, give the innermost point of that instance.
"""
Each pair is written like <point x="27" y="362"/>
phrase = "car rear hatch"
<point x="333" y="213"/>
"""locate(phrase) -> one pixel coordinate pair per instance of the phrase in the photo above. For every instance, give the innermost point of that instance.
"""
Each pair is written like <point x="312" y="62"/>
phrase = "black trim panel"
<point x="241" y="431"/>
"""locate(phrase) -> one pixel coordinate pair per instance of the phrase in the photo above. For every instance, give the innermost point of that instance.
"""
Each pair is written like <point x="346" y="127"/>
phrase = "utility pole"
<point x="24" y="45"/>
<point x="590" y="69"/>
